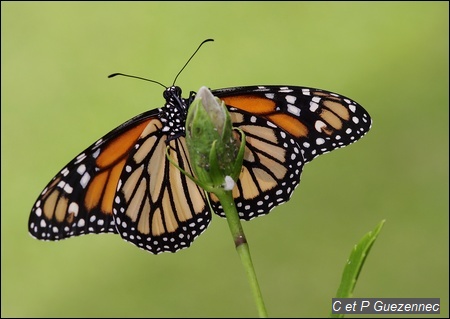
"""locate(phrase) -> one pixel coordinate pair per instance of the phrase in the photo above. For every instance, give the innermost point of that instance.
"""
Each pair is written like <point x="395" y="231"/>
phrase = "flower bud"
<point x="215" y="153"/>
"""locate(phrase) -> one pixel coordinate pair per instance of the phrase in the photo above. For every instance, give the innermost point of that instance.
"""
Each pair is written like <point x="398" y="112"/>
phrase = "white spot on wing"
<point x="68" y="189"/>
<point x="81" y="156"/>
<point x="313" y="106"/>
<point x="293" y="110"/>
<point x="81" y="169"/>
<point x="319" y="125"/>
<point x="284" y="89"/>
<point x="73" y="208"/>
<point x="291" y="99"/>
<point x="96" y="154"/>
<point x="85" y="180"/>
<point x="320" y="141"/>
<point x="65" y="171"/>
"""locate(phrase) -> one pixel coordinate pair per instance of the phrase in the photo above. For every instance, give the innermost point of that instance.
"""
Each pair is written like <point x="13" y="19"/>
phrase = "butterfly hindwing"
<point x="157" y="207"/>
<point x="271" y="168"/>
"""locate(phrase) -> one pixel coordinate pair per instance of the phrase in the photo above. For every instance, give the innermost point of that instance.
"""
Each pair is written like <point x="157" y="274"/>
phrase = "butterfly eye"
<point x="170" y="92"/>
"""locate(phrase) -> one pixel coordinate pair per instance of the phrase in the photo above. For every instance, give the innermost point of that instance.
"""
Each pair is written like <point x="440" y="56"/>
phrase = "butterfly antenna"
<point x="136" y="77"/>
<point x="207" y="40"/>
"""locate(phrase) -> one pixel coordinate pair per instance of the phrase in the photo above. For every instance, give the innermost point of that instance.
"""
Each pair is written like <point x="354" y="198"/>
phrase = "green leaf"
<point x="354" y="265"/>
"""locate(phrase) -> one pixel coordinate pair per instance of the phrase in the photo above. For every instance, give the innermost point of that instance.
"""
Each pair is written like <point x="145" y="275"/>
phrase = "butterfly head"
<point x="172" y="93"/>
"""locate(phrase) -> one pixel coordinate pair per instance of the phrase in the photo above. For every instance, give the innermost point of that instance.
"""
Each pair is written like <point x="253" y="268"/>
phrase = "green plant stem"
<point x="242" y="247"/>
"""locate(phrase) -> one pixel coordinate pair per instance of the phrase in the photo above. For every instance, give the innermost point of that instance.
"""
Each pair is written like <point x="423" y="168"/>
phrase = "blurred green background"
<point x="56" y="100"/>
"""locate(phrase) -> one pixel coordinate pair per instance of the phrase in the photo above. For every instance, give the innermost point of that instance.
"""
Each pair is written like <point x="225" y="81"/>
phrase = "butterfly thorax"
<point x="173" y="113"/>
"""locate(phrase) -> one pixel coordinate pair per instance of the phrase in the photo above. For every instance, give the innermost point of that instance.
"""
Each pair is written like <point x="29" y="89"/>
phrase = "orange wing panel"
<point x="120" y="145"/>
<point x="111" y="161"/>
<point x="250" y="103"/>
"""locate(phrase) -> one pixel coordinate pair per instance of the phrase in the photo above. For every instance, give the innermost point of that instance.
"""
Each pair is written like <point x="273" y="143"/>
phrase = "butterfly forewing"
<point x="320" y="121"/>
<point x="157" y="207"/>
<point x="79" y="198"/>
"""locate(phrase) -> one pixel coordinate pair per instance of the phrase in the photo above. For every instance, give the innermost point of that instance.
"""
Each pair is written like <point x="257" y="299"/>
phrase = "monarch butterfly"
<point x="123" y="183"/>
